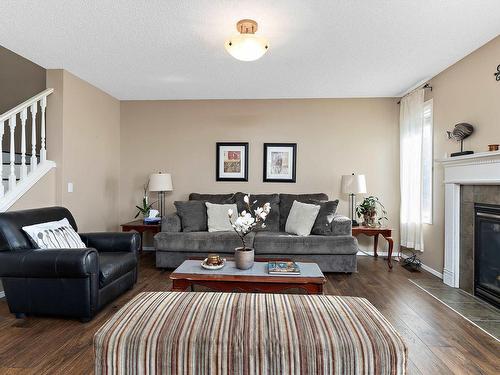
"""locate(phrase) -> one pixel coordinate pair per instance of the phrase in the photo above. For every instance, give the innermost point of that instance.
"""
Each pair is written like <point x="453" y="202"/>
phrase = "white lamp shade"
<point x="160" y="182"/>
<point x="354" y="184"/>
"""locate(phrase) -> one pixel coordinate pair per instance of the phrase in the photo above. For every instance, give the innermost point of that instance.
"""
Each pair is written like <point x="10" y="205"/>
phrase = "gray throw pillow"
<point x="218" y="219"/>
<point x="301" y="218"/>
<point x="323" y="224"/>
<point x="193" y="215"/>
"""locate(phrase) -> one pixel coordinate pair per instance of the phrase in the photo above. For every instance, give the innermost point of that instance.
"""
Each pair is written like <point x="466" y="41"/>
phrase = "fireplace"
<point x="487" y="252"/>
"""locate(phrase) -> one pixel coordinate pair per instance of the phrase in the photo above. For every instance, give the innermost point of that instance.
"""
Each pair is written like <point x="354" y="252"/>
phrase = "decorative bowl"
<point x="213" y="267"/>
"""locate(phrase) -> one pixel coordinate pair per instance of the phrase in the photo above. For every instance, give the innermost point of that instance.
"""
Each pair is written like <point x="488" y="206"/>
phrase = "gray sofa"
<point x="335" y="252"/>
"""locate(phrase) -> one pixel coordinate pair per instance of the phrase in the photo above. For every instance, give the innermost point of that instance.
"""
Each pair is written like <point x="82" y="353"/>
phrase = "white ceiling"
<point x="161" y="49"/>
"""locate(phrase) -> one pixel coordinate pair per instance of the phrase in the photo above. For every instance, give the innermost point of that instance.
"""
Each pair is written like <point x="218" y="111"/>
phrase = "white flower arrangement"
<point x="249" y="220"/>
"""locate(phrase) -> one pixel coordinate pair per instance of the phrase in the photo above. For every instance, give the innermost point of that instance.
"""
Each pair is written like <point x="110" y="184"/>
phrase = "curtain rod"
<point x="425" y="87"/>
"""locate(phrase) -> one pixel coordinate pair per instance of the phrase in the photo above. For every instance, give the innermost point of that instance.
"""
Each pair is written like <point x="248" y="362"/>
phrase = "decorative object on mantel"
<point x="161" y="182"/>
<point x="247" y="221"/>
<point x="497" y="74"/>
<point x="352" y="185"/>
<point x="373" y="212"/>
<point x="459" y="133"/>
<point x="493" y="147"/>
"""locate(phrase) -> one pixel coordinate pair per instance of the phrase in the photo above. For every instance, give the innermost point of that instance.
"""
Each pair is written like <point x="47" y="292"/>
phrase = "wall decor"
<point x="232" y="161"/>
<point x="280" y="162"/>
<point x="497" y="74"/>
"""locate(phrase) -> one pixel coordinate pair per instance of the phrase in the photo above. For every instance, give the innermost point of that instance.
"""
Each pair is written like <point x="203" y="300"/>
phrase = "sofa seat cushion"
<point x="284" y="243"/>
<point x="113" y="265"/>
<point x="202" y="242"/>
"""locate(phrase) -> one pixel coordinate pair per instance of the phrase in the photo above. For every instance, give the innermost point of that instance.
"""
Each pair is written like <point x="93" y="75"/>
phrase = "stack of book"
<point x="283" y="268"/>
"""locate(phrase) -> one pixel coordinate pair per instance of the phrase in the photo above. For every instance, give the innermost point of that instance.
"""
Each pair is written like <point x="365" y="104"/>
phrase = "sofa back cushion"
<point x="273" y="219"/>
<point x="213" y="198"/>
<point x="286" y="202"/>
<point x="12" y="237"/>
<point x="193" y="215"/>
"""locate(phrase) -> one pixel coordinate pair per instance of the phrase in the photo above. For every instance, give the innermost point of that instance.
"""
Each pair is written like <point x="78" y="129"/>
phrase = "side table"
<point x="139" y="226"/>
<point x="375" y="232"/>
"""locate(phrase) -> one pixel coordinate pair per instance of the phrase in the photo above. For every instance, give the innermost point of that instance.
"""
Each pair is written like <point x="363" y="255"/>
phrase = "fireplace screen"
<point x="487" y="253"/>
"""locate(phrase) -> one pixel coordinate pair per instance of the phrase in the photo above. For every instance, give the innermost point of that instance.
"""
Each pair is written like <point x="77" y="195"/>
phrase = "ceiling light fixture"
<point x="246" y="46"/>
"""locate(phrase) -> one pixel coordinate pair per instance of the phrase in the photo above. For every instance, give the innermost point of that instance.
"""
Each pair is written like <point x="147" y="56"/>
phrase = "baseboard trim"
<point x="404" y="256"/>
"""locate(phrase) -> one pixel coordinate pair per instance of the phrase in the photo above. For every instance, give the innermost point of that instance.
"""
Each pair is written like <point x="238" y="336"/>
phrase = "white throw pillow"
<point x="301" y="218"/>
<point x="218" y="220"/>
<point x="55" y="235"/>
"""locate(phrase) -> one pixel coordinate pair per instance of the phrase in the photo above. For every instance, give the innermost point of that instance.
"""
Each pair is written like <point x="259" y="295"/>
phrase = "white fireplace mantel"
<point x="476" y="169"/>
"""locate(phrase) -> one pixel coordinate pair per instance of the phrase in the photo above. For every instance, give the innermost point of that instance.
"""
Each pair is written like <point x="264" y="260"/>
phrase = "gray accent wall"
<point x="20" y="79"/>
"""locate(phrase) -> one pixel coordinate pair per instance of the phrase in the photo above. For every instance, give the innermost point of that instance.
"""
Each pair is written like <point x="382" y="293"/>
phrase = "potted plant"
<point x="372" y="211"/>
<point x="146" y="206"/>
<point x="246" y="222"/>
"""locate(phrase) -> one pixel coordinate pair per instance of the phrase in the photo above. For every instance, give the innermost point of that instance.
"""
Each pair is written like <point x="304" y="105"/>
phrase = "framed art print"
<point x="232" y="161"/>
<point x="280" y="161"/>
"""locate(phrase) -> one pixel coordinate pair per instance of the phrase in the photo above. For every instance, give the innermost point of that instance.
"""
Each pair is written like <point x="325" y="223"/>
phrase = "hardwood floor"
<point x="439" y="340"/>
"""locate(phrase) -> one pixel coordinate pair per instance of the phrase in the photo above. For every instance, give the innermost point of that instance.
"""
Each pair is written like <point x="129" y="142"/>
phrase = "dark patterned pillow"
<point x="54" y="235"/>
<point x="323" y="224"/>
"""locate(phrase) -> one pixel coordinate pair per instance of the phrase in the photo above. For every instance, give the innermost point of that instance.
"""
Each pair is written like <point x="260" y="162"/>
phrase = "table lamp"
<point x="352" y="185"/>
<point x="161" y="182"/>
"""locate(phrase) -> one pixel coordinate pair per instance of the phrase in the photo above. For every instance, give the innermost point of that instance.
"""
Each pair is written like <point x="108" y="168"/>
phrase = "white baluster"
<point x="24" y="168"/>
<point x="1" y="159"/>
<point x="43" y="151"/>
<point x="33" y="161"/>
<point x="12" y="176"/>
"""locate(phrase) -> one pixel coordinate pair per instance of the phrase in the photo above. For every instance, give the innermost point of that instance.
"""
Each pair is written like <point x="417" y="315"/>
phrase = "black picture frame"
<point x="267" y="176"/>
<point x="219" y="173"/>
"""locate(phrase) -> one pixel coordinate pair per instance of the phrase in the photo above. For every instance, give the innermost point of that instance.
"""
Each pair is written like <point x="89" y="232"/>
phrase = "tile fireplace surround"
<point x="477" y="169"/>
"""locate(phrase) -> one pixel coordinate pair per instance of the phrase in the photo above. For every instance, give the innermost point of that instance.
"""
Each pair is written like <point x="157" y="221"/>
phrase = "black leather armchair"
<point x="64" y="282"/>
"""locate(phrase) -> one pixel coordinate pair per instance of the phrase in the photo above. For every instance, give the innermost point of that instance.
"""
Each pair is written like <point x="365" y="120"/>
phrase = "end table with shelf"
<point x="140" y="227"/>
<point x="375" y="232"/>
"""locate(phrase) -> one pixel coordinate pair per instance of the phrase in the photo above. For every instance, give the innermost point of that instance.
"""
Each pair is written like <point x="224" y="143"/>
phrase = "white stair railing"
<point x="13" y="173"/>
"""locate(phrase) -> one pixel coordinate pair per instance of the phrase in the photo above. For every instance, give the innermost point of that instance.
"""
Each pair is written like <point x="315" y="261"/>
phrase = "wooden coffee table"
<point x="231" y="279"/>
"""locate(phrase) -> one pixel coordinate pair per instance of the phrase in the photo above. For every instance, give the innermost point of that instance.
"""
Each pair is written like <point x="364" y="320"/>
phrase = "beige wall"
<point x="83" y="131"/>
<point x="42" y="194"/>
<point x="334" y="137"/>
<point x="465" y="92"/>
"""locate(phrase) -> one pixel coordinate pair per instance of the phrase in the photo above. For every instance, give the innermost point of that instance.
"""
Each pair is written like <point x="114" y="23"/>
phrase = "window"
<point x="427" y="163"/>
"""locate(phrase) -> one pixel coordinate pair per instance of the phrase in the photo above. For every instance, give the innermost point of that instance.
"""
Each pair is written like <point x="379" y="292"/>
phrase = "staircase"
<point x="22" y="169"/>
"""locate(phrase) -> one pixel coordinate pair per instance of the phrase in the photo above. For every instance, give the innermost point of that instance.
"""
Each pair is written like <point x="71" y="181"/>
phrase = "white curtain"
<point x="411" y="123"/>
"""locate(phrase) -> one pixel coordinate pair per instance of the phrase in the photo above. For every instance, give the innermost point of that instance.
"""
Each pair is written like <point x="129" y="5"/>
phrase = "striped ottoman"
<point x="244" y="333"/>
